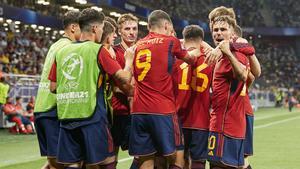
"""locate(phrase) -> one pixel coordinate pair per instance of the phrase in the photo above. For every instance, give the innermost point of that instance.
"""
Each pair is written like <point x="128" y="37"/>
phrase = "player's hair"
<point x="126" y="17"/>
<point x="156" y="17"/>
<point x="224" y="18"/>
<point x="238" y="31"/>
<point x="18" y="98"/>
<point x="220" y="11"/>
<point x="193" y="32"/>
<point x="70" y="17"/>
<point x="89" y="16"/>
<point x="111" y="21"/>
<point x="108" y="28"/>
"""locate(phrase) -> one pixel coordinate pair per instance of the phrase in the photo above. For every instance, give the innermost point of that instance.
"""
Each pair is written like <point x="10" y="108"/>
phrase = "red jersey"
<point x="228" y="99"/>
<point x="153" y="63"/>
<point x="119" y="100"/>
<point x="247" y="50"/>
<point x="192" y="93"/>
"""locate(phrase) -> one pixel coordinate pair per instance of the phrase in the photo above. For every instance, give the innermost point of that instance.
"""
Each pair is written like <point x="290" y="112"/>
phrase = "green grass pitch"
<point x="276" y="144"/>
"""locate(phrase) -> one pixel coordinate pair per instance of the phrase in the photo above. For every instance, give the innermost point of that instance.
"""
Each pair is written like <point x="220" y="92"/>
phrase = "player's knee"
<point x="52" y="163"/>
<point x="146" y="162"/>
<point x="109" y="160"/>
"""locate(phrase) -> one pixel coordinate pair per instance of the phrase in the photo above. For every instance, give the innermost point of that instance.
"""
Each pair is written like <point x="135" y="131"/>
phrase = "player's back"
<point x="192" y="93"/>
<point x="153" y="64"/>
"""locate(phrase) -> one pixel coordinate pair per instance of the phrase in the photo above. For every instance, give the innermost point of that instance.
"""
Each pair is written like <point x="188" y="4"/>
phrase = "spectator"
<point x="22" y="123"/>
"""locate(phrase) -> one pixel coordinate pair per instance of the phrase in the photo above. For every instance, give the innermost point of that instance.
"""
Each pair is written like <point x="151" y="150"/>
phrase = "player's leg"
<point x="198" y="148"/>
<point x="248" y="146"/>
<point x="70" y="152"/>
<point x="167" y="135"/>
<point x="47" y="129"/>
<point x="225" y="152"/>
<point x="141" y="144"/>
<point x="98" y="146"/>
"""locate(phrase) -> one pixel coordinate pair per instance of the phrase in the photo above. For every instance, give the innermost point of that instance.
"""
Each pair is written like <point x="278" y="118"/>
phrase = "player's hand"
<point x="195" y="53"/>
<point x="224" y="47"/>
<point x="129" y="53"/>
<point x="212" y="56"/>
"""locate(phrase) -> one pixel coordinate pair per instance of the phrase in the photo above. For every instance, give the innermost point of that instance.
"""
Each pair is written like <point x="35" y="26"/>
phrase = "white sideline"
<point x="276" y="122"/>
<point x="276" y="115"/>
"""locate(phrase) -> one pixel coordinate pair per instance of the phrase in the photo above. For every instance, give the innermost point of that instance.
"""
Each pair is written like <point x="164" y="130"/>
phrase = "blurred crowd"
<point x="252" y="13"/>
<point x="23" y="52"/>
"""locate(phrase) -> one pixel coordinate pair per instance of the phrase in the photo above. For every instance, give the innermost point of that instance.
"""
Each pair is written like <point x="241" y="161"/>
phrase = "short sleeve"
<point x="109" y="65"/>
<point x="177" y="49"/>
<point x="52" y="73"/>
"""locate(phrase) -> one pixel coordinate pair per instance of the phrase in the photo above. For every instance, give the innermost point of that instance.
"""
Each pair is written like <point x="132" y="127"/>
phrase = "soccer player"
<point x="45" y="112"/>
<point x="154" y="128"/>
<point x="256" y="71"/>
<point x="128" y="31"/>
<point x="193" y="99"/>
<point x="227" y="123"/>
<point x="78" y="78"/>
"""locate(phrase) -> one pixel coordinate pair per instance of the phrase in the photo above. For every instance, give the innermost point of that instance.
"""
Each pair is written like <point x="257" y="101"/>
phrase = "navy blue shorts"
<point x="248" y="149"/>
<point x="91" y="143"/>
<point x="47" y="130"/>
<point x="195" y="142"/>
<point x="225" y="150"/>
<point x="152" y="134"/>
<point x="120" y="130"/>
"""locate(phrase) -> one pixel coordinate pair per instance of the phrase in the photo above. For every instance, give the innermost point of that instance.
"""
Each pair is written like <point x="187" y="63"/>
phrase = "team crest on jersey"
<point x="72" y="68"/>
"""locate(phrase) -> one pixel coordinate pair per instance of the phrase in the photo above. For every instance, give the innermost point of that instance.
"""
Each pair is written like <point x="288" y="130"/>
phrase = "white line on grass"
<point x="125" y="159"/>
<point x="276" y="115"/>
<point x="276" y="122"/>
<point x="256" y="127"/>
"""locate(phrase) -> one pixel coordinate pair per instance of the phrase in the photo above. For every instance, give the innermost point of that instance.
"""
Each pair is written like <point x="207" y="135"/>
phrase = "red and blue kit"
<point x="192" y="93"/>
<point x="153" y="63"/>
<point x="120" y="101"/>
<point x="228" y="99"/>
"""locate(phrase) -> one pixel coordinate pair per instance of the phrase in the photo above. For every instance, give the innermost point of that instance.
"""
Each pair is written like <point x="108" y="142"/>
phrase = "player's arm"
<point x="122" y="77"/>
<point x="239" y="70"/>
<point x="187" y="56"/>
<point x="52" y="78"/>
<point x="255" y="66"/>
<point x="254" y="63"/>
<point x="250" y="79"/>
<point x="211" y="54"/>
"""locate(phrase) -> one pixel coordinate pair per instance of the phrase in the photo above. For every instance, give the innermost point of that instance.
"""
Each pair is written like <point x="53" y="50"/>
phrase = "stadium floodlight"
<point x="37" y="30"/>
<point x="53" y="37"/>
<point x="46" y="3"/>
<point x="143" y="23"/>
<point x="55" y="32"/>
<point x="115" y="14"/>
<point x="65" y="7"/>
<point x="6" y="29"/>
<point x="40" y="1"/>
<point x="61" y="32"/>
<point x="17" y="22"/>
<point x="41" y="27"/>
<point x="48" y="29"/>
<point x="17" y="30"/>
<point x="33" y="26"/>
<point x="96" y="8"/>
<point x="5" y="24"/>
<point x="1" y="19"/>
<point x="16" y="26"/>
<point x="81" y="1"/>
<point x="8" y="20"/>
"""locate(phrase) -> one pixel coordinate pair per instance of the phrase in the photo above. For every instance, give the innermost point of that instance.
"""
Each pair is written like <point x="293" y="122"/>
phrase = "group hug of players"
<point x="172" y="103"/>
